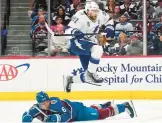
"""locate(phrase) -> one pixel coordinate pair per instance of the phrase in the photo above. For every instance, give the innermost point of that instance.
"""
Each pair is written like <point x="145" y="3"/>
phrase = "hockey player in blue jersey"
<point x="88" y="20"/>
<point x="52" y="109"/>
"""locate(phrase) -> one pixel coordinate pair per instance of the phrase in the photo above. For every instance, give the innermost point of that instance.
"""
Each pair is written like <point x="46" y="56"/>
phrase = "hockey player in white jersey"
<point x="88" y="20"/>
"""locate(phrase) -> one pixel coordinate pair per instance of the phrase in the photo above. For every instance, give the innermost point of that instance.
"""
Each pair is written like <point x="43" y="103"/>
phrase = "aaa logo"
<point x="9" y="72"/>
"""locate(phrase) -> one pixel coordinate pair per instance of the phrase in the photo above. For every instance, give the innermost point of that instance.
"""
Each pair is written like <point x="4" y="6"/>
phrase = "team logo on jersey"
<point x="53" y="101"/>
<point x="10" y="72"/>
<point x="88" y="24"/>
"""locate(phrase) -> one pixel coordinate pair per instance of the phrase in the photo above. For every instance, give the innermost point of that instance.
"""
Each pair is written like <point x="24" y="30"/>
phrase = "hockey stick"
<point x="52" y="33"/>
<point x="96" y="33"/>
<point x="40" y="111"/>
<point x="101" y="31"/>
<point x="44" y="113"/>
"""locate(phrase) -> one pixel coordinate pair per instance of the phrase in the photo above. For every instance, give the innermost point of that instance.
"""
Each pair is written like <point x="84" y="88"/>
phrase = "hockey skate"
<point x="92" y="78"/>
<point x="129" y="109"/>
<point x="68" y="81"/>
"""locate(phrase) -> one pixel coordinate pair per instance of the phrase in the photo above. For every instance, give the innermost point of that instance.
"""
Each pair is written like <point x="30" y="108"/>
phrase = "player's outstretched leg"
<point x="107" y="110"/>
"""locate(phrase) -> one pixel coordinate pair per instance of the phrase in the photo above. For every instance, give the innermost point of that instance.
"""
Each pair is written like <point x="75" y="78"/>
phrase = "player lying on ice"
<point x="52" y="109"/>
<point x="88" y="20"/>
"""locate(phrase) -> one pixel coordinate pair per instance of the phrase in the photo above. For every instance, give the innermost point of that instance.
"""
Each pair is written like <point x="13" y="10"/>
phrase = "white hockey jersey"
<point x="83" y="23"/>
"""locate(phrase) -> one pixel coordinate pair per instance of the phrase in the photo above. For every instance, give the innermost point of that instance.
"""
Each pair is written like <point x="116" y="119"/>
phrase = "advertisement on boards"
<point x="118" y="73"/>
<point x="47" y="74"/>
<point x="10" y="72"/>
<point x="22" y="75"/>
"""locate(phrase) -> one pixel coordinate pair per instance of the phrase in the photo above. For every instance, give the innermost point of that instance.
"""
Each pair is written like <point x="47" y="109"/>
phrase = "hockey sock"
<point x="104" y="112"/>
<point x="119" y="108"/>
<point x="96" y="54"/>
<point x="93" y="64"/>
<point x="109" y="111"/>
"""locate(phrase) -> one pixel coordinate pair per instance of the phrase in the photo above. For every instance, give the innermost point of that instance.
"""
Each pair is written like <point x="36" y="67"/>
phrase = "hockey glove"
<point x="102" y="39"/>
<point x="53" y="118"/>
<point x="109" y="30"/>
<point x="78" y="34"/>
<point x="27" y="118"/>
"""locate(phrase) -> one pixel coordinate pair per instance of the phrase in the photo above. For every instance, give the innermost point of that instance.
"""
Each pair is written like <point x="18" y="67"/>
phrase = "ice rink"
<point x="147" y="111"/>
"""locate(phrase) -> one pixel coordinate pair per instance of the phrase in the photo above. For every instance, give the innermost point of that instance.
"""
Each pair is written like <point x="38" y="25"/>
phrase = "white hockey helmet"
<point x="91" y="5"/>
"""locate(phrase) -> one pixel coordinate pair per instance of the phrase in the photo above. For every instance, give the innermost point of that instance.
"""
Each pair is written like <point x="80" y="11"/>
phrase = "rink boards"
<point x="124" y="78"/>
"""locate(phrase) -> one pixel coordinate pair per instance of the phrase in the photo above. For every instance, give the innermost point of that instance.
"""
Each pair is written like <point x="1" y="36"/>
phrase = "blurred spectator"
<point x="59" y="29"/>
<point x="158" y="9"/>
<point x="39" y="30"/>
<point x="123" y="25"/>
<point x="73" y="7"/>
<point x="136" y="46"/>
<point x="39" y="35"/>
<point x="105" y="45"/>
<point x="120" y="48"/>
<point x="138" y="4"/>
<point x="61" y="12"/>
<point x="35" y="4"/>
<point x="110" y="6"/>
<point x="129" y="8"/>
<point x="139" y="25"/>
<point x="160" y="45"/>
<point x="59" y="21"/>
<point x="80" y="6"/>
<point x="158" y="27"/>
<point x="35" y="19"/>
<point x="150" y="10"/>
<point x="116" y="14"/>
<point x="111" y="14"/>
<point x="56" y="3"/>
<point x="59" y="44"/>
<point x="4" y="33"/>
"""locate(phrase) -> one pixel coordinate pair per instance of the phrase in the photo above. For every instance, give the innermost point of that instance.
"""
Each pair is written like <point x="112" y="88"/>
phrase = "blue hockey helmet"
<point x="42" y="97"/>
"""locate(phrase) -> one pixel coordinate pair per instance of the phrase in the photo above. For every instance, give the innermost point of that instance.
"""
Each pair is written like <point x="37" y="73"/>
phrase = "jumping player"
<point x="88" y="20"/>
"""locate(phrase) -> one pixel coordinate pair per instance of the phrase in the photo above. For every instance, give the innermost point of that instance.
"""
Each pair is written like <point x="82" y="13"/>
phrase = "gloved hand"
<point x="78" y="34"/>
<point x="27" y="118"/>
<point x="53" y="118"/>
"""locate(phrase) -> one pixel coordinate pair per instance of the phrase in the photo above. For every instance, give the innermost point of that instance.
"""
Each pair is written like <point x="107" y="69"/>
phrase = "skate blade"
<point x="64" y="83"/>
<point x="92" y="83"/>
<point x="132" y="104"/>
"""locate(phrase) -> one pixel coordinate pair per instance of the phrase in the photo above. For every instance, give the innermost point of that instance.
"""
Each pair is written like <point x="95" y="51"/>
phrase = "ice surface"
<point x="148" y="111"/>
